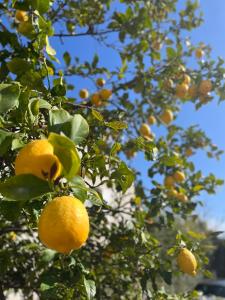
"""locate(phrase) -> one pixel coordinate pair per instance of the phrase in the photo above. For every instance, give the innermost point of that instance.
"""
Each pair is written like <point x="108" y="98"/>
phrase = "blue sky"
<point x="210" y="117"/>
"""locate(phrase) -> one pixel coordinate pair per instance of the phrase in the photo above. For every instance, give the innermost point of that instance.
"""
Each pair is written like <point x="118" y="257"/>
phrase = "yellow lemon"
<point x="172" y="193"/>
<point x="169" y="181"/>
<point x="199" y="53"/>
<point x="105" y="94"/>
<point x="95" y="100"/>
<point x="64" y="224"/>
<point x="187" y="262"/>
<point x="168" y="84"/>
<point x="38" y="158"/>
<point x="84" y="94"/>
<point x="100" y="82"/>
<point x="192" y="92"/>
<point x="145" y="130"/>
<point x="12" y="235"/>
<point x="187" y="79"/>
<point x="167" y="116"/>
<point x="179" y="176"/>
<point x="181" y="90"/>
<point x="182" y="197"/>
<point x="151" y="120"/>
<point x="21" y="16"/>
<point x="205" y="87"/>
<point x="188" y="152"/>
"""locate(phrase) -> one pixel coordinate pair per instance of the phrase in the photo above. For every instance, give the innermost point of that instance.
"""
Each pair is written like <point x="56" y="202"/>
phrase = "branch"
<point x="2" y="296"/>
<point x="84" y="33"/>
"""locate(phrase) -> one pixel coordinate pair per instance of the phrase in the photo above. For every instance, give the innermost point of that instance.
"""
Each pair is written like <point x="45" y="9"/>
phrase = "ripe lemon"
<point x="188" y="152"/>
<point x="64" y="224"/>
<point x="187" y="262"/>
<point x="95" y="100"/>
<point x="38" y="158"/>
<point x="179" y="176"/>
<point x="21" y="16"/>
<point x="169" y="181"/>
<point x="100" y="82"/>
<point x="84" y="94"/>
<point x="105" y="94"/>
<point x="145" y="130"/>
<point x="168" y="84"/>
<point x="181" y="90"/>
<point x="151" y="120"/>
<point x="167" y="116"/>
<point x="192" y="92"/>
<point x="199" y="53"/>
<point x="182" y="197"/>
<point x="187" y="79"/>
<point x="205" y="87"/>
<point x="172" y="193"/>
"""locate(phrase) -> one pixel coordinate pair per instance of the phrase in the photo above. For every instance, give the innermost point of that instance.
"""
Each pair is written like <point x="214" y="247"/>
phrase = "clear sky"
<point x="210" y="117"/>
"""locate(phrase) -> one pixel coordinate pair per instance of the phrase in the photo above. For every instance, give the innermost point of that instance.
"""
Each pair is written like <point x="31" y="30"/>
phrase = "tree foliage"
<point x="126" y="255"/>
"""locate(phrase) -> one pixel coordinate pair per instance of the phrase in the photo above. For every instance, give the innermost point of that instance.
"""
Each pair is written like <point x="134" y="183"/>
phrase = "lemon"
<point x="192" y="92"/>
<point x="151" y="120"/>
<point x="38" y="158"/>
<point x="169" y="181"/>
<point x="145" y="130"/>
<point x="181" y="90"/>
<point x="182" y="197"/>
<point x="21" y="16"/>
<point x="187" y="79"/>
<point x="205" y="87"/>
<point x="172" y="193"/>
<point x="100" y="82"/>
<point x="95" y="100"/>
<point x="167" y="116"/>
<point x="187" y="262"/>
<point x="188" y="152"/>
<point x="84" y="94"/>
<point x="179" y="176"/>
<point x="105" y="94"/>
<point x="199" y="53"/>
<point x="64" y="224"/>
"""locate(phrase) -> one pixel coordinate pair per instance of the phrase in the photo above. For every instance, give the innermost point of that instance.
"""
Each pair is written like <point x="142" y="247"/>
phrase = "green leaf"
<point x="124" y="176"/>
<point x="67" y="58"/>
<point x="67" y="153"/>
<point x="18" y="65"/>
<point x="117" y="125"/>
<point x="24" y="187"/>
<point x="171" y="53"/>
<point x="115" y="148"/>
<point x="97" y="115"/>
<point x="5" y="141"/>
<point x="90" y="288"/>
<point x="79" y="188"/>
<point x="49" y="48"/>
<point x="41" y="5"/>
<point x="9" y="96"/>
<point x="78" y="129"/>
<point x="10" y="209"/>
<point x="74" y="127"/>
<point x="94" y="197"/>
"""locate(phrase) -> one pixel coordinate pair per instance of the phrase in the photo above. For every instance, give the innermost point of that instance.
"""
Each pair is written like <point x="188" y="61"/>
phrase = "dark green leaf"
<point x="24" y="187"/>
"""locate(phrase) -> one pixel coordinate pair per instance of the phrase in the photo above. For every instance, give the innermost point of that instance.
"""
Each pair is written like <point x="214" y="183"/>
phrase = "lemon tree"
<point x="77" y="219"/>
